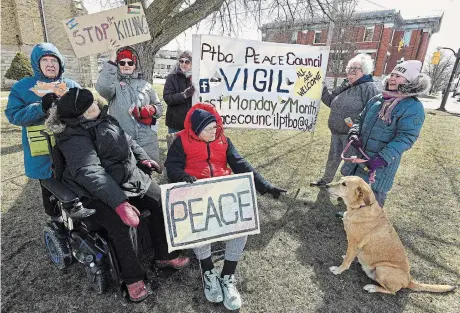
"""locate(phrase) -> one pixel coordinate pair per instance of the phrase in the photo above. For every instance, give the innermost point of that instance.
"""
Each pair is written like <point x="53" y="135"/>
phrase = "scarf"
<point x="391" y="99"/>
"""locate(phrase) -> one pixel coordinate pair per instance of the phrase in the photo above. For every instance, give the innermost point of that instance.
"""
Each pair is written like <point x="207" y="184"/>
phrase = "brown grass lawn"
<point x="285" y="268"/>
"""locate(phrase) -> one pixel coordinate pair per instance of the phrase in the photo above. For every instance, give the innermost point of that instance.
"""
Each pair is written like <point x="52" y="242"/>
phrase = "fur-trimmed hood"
<point x="57" y="126"/>
<point x="53" y="123"/>
<point x="419" y="86"/>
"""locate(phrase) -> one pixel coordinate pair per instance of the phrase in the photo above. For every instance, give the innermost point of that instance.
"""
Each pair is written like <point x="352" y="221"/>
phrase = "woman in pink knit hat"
<point x="388" y="126"/>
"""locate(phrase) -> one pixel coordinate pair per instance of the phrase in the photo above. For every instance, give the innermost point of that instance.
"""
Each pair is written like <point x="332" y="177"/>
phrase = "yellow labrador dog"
<point x="373" y="239"/>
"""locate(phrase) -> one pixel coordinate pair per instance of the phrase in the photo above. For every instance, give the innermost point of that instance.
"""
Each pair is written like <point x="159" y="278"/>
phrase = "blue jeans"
<point x="172" y="130"/>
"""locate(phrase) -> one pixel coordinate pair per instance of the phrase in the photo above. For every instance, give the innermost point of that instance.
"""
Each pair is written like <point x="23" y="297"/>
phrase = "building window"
<point x="168" y="67"/>
<point x="162" y="66"/>
<point x="294" y="37"/>
<point x="317" y="38"/>
<point x="336" y="66"/>
<point x="406" y="38"/>
<point x="369" y="34"/>
<point x="342" y="35"/>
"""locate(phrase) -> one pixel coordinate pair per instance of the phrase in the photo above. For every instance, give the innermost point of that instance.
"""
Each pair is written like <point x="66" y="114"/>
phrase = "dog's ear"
<point x="364" y="192"/>
<point x="366" y="196"/>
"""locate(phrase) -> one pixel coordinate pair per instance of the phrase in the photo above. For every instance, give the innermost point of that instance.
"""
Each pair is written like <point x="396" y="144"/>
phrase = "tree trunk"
<point x="166" y="22"/>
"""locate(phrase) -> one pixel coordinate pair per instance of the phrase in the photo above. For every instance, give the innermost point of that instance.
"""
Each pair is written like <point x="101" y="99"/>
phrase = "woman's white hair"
<point x="367" y="65"/>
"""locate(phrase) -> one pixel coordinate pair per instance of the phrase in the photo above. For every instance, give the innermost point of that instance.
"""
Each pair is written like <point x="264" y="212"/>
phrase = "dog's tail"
<point x="416" y="286"/>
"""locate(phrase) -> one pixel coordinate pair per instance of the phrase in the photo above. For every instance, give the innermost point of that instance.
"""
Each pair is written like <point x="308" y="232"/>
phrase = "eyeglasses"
<point x="122" y="63"/>
<point x="210" y="130"/>
<point x="186" y="61"/>
<point x="351" y="69"/>
<point x="49" y="60"/>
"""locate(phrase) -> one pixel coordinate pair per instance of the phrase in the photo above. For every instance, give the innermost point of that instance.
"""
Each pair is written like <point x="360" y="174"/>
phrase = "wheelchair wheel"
<point x="58" y="246"/>
<point x="98" y="282"/>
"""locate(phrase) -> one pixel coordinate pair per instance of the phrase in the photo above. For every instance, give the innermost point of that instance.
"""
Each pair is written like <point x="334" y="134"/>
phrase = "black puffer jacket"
<point x="101" y="160"/>
<point x="178" y="106"/>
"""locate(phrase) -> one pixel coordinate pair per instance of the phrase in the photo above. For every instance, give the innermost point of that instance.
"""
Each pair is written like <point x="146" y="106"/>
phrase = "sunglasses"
<point x="186" y="61"/>
<point x="122" y="63"/>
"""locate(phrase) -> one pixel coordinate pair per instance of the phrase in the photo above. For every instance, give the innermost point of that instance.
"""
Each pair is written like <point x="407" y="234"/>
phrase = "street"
<point x="452" y="105"/>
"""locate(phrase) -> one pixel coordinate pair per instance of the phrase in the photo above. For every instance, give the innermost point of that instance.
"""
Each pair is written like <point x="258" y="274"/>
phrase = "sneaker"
<point x="232" y="298"/>
<point x="78" y="212"/>
<point x="57" y="219"/>
<point x="212" y="289"/>
<point x="137" y="291"/>
<point x="81" y="213"/>
<point x="177" y="263"/>
<point x="319" y="183"/>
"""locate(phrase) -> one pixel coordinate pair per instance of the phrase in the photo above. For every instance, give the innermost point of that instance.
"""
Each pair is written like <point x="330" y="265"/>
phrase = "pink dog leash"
<point x="355" y="159"/>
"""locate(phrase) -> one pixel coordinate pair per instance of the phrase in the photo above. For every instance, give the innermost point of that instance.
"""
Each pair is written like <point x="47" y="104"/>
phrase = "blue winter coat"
<point x="388" y="140"/>
<point x="24" y="108"/>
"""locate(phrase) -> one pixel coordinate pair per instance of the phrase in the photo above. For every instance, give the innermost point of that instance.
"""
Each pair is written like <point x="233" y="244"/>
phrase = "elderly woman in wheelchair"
<point x="109" y="174"/>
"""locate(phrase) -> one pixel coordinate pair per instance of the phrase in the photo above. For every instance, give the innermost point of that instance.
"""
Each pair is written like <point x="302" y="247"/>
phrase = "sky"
<point x="446" y="37"/>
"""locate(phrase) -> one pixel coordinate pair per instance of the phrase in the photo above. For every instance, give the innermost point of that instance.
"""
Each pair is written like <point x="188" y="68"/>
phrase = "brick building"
<point x="25" y="23"/>
<point x="384" y="35"/>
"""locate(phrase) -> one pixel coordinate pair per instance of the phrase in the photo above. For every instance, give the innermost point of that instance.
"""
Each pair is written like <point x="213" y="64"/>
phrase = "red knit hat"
<point x="126" y="54"/>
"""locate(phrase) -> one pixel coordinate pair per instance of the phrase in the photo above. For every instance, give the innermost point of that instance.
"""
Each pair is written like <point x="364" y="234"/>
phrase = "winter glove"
<point x="188" y="92"/>
<point x="188" y="178"/>
<point x="128" y="214"/>
<point x="275" y="191"/>
<point x="375" y="163"/>
<point x="145" y="114"/>
<point x="48" y="100"/>
<point x="148" y="166"/>
<point x="355" y="142"/>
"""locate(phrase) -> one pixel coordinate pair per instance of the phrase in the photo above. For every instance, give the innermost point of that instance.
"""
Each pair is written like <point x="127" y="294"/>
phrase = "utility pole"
<point x="454" y="70"/>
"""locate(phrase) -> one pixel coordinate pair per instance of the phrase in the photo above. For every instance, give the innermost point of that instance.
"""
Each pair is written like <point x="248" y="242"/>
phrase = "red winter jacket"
<point x="204" y="159"/>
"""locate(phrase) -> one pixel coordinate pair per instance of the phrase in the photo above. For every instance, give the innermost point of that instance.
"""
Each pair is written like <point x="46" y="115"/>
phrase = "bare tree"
<point x="440" y="73"/>
<point x="169" y="18"/>
<point x="343" y="42"/>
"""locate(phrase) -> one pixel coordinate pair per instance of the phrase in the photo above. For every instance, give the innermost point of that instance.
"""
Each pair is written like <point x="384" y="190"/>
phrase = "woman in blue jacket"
<point x="388" y="126"/>
<point x="25" y="108"/>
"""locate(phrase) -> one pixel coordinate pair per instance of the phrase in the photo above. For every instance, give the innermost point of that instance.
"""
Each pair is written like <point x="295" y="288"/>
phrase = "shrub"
<point x="20" y="67"/>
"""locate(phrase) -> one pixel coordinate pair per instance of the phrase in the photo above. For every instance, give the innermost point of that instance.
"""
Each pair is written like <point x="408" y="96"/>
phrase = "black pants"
<point x="119" y="232"/>
<point x="50" y="206"/>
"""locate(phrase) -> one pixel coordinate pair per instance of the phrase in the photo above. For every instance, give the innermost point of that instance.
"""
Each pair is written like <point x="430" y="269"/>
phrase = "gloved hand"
<point x="188" y="178"/>
<point x="128" y="214"/>
<point x="47" y="101"/>
<point x="355" y="142"/>
<point x="149" y="166"/>
<point x="275" y="191"/>
<point x="145" y="114"/>
<point x="376" y="162"/>
<point x="188" y="92"/>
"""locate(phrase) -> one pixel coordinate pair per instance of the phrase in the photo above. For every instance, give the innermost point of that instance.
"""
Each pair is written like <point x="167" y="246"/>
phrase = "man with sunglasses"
<point x="178" y="92"/>
<point x="132" y="100"/>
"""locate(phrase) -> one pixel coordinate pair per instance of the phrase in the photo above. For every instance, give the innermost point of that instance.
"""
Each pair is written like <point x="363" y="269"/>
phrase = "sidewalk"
<point x="452" y="105"/>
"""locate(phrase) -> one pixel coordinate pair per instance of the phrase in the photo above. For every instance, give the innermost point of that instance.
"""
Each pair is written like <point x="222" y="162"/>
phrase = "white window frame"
<point x="365" y="31"/>
<point x="314" y="38"/>
<point x="406" y="44"/>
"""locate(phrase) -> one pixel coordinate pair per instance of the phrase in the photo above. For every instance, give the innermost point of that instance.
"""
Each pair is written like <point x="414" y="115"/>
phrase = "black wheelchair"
<point x="79" y="239"/>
